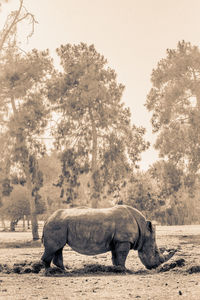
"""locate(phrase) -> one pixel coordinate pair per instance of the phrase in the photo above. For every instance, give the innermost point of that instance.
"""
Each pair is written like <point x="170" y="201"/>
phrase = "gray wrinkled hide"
<point x="93" y="231"/>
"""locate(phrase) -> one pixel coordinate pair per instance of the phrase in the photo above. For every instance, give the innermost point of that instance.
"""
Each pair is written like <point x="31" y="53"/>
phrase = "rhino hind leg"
<point x="119" y="253"/>
<point x="58" y="259"/>
<point x="47" y="258"/>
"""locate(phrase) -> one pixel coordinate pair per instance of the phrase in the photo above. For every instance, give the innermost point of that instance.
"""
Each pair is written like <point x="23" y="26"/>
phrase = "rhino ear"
<point x="149" y="226"/>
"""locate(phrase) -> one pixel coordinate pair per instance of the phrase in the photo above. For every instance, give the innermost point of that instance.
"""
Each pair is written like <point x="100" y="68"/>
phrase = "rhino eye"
<point x="149" y="226"/>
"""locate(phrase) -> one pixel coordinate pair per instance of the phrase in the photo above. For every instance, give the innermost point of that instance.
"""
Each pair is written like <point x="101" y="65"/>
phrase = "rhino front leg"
<point x="119" y="253"/>
<point x="58" y="259"/>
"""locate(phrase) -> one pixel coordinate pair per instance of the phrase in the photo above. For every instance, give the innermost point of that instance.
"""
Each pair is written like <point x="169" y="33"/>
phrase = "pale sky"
<point x="132" y="34"/>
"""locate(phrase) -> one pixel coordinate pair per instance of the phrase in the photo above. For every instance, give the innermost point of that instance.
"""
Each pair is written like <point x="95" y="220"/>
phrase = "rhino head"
<point x="149" y="253"/>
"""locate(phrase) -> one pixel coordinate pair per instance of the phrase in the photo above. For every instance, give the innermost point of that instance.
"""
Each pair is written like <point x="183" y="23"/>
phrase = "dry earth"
<point x="90" y="277"/>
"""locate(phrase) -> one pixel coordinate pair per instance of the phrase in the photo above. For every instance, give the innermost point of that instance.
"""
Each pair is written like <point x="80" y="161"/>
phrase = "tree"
<point x="22" y="97"/>
<point x="5" y="182"/>
<point x="175" y="102"/>
<point x="22" y="92"/>
<point x="92" y="115"/>
<point x="69" y="179"/>
<point x="168" y="177"/>
<point x="16" y="205"/>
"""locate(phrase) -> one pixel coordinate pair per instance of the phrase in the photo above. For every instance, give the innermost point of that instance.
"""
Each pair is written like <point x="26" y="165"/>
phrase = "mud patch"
<point x="35" y="267"/>
<point x="90" y="269"/>
<point x="21" y="268"/>
<point x="176" y="263"/>
<point x="55" y="271"/>
<point x="193" y="269"/>
<point x="100" y="269"/>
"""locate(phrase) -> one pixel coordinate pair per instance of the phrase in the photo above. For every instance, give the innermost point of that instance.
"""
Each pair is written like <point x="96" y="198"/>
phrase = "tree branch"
<point x="17" y="19"/>
<point x="11" y="25"/>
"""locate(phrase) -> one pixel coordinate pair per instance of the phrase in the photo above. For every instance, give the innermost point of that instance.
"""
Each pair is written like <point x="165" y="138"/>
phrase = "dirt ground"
<point x="90" y="277"/>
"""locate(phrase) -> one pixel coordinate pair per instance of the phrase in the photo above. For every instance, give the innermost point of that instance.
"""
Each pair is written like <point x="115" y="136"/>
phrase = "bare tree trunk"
<point x="28" y="222"/>
<point x="24" y="225"/>
<point x="13" y="223"/>
<point x="47" y="205"/>
<point x="12" y="226"/>
<point x="95" y="194"/>
<point x="3" y="223"/>
<point x="34" y="221"/>
<point x="198" y="100"/>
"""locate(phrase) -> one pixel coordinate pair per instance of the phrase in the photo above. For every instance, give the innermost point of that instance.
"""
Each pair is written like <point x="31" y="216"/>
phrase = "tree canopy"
<point x="23" y="105"/>
<point x="24" y="113"/>
<point x="94" y="121"/>
<point x="175" y="103"/>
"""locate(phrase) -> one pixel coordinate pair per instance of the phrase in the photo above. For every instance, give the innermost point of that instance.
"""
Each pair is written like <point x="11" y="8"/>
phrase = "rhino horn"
<point x="166" y="257"/>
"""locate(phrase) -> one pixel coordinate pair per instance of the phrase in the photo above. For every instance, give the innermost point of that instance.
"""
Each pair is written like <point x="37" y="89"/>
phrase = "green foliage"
<point x="72" y="167"/>
<point x="93" y="120"/>
<point x="86" y="91"/>
<point x="24" y="108"/>
<point x="18" y="180"/>
<point x="167" y="176"/>
<point x="181" y="208"/>
<point x="114" y="166"/>
<point x="17" y="205"/>
<point x="50" y="166"/>
<point x="6" y="187"/>
<point x="21" y="74"/>
<point x="143" y="194"/>
<point x="165" y="194"/>
<point x="36" y="179"/>
<point x="175" y="102"/>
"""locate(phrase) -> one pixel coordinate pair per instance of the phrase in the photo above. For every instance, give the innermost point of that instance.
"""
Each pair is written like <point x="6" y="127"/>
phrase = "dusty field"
<point x="90" y="277"/>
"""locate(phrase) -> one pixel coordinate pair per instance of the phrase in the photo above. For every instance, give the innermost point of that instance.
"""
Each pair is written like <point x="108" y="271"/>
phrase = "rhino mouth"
<point x="154" y="266"/>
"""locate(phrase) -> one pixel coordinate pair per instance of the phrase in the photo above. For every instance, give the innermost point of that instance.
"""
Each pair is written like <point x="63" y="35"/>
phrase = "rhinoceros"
<point x="93" y="231"/>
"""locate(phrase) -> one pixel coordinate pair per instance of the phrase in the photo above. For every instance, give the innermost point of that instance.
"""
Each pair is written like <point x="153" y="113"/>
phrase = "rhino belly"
<point x="89" y="239"/>
<point x="93" y="249"/>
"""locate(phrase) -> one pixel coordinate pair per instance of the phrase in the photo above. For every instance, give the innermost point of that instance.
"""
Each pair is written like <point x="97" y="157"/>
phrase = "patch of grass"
<point x="189" y="239"/>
